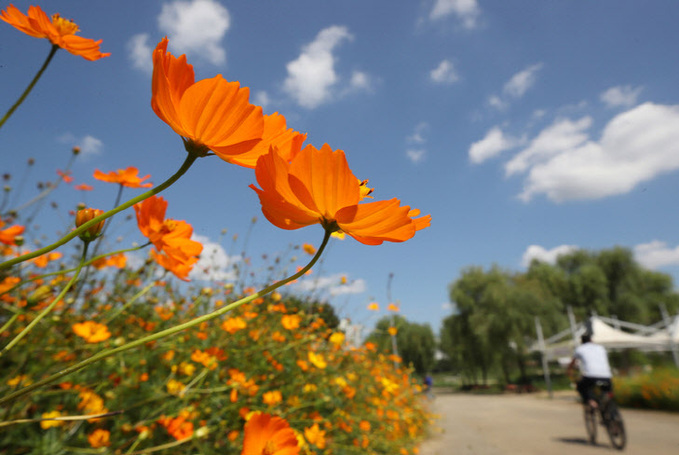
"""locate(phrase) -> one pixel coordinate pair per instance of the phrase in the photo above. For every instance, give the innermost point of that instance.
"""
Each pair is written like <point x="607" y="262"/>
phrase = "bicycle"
<point x="609" y="414"/>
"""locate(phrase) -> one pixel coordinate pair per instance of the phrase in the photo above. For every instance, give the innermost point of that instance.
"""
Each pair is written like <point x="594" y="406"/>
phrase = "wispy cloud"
<point x="621" y="96"/>
<point x="656" y="254"/>
<point x="332" y="284"/>
<point x="415" y="151"/>
<point x="564" y="163"/>
<point x="494" y="143"/>
<point x="467" y="11"/>
<point x="516" y="87"/>
<point x="444" y="73"/>
<point x="89" y="145"/>
<point x="537" y="252"/>
<point x="195" y="27"/>
<point x="312" y="78"/>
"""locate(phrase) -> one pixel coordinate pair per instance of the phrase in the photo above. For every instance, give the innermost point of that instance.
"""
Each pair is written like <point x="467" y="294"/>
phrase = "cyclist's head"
<point x="586" y="338"/>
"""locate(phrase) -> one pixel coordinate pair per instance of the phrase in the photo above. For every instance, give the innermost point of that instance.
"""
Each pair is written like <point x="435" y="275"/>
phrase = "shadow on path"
<point x="581" y="442"/>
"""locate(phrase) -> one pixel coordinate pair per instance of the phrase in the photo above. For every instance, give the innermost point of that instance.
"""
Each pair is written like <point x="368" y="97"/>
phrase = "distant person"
<point x="594" y="366"/>
<point x="428" y="384"/>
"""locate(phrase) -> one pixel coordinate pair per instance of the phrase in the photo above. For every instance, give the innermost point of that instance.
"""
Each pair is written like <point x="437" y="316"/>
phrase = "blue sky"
<point x="524" y="128"/>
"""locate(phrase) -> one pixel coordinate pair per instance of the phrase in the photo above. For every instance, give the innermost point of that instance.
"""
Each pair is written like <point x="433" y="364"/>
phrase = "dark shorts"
<point x="586" y="384"/>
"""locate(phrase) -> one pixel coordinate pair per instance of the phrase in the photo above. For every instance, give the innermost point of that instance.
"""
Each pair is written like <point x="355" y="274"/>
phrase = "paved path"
<point x="535" y="425"/>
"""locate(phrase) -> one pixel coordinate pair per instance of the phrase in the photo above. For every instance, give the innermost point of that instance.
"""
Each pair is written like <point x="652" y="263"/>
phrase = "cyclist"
<point x="594" y="367"/>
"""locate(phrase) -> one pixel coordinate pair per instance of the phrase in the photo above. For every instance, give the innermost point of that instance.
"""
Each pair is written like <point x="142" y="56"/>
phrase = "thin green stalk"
<point x="153" y="191"/>
<point x="30" y="86"/>
<point x="130" y="302"/>
<point x="9" y="323"/>
<point x="165" y="333"/>
<point x="49" y="307"/>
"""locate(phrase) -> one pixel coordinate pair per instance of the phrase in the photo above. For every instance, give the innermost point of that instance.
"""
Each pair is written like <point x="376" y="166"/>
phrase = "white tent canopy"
<point x="609" y="337"/>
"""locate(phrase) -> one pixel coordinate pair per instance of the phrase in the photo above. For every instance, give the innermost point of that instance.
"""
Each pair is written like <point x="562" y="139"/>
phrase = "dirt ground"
<point x="534" y="424"/>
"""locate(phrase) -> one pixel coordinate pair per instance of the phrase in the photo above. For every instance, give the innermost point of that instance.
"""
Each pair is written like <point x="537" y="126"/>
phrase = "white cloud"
<point x="360" y="81"/>
<point x="261" y="98"/>
<point x="312" y="76"/>
<point x="497" y="102"/>
<point x="544" y="255"/>
<point x="196" y="27"/>
<point x="89" y="145"/>
<point x="466" y="10"/>
<point x="214" y="263"/>
<point x="553" y="140"/>
<point x="519" y="84"/>
<point x="418" y="135"/>
<point x="140" y="52"/>
<point x="416" y="155"/>
<point x="332" y="284"/>
<point x="635" y="146"/>
<point x="494" y="143"/>
<point x="621" y="96"/>
<point x="656" y="254"/>
<point x="444" y="73"/>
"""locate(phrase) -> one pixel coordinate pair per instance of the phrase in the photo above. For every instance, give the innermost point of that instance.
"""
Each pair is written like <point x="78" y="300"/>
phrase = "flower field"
<point x="658" y="389"/>
<point x="102" y="355"/>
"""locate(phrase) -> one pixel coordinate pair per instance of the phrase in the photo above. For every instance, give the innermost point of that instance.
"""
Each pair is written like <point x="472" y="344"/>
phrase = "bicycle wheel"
<point x="590" y="423"/>
<point x="615" y="427"/>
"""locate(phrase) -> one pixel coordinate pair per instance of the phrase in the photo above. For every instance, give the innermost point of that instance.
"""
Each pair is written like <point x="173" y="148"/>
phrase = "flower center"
<point x="64" y="26"/>
<point x="269" y="449"/>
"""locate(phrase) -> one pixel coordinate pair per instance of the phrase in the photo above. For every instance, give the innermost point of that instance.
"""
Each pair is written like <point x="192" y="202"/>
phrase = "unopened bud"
<point x="7" y="188"/>
<point x="19" y="240"/>
<point x="76" y="150"/>
<point x="85" y="215"/>
<point x="31" y="161"/>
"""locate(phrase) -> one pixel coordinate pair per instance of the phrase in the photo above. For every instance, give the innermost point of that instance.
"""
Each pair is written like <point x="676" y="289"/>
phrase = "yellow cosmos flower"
<point x="317" y="360"/>
<point x="45" y="424"/>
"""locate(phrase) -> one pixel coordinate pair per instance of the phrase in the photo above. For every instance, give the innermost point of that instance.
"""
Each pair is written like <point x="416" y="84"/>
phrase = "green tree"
<point x="415" y="342"/>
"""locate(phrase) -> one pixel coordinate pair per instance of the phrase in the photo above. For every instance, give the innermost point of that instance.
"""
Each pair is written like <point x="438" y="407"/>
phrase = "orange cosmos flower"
<point x="211" y="114"/>
<point x="178" y="427"/>
<point x="99" y="438"/>
<point x="126" y="177"/>
<point x="269" y="435"/>
<point x="314" y="435"/>
<point x="287" y="141"/>
<point x="317" y="187"/>
<point x="91" y="331"/>
<point x="83" y="187"/>
<point x="291" y="321"/>
<point x="42" y="261"/>
<point x="373" y="306"/>
<point x="8" y="235"/>
<point x="175" y="251"/>
<point x="59" y="31"/>
<point x="272" y="397"/>
<point x="85" y="215"/>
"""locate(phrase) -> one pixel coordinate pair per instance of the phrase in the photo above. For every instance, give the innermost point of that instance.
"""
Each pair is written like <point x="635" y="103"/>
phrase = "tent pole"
<point x="543" y="352"/>
<point x="571" y="320"/>
<point x="673" y="345"/>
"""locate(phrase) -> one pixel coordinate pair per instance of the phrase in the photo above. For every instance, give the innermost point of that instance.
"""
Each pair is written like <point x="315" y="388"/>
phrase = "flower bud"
<point x="85" y="215"/>
<point x="76" y="150"/>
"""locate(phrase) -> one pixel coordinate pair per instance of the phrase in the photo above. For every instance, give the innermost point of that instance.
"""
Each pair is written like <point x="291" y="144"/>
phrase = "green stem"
<point x="167" y="332"/>
<point x="49" y="307"/>
<point x="153" y="191"/>
<point x="130" y="302"/>
<point x="9" y="323"/>
<point x="30" y="86"/>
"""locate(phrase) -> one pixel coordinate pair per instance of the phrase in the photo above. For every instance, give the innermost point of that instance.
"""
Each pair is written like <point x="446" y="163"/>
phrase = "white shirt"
<point x="593" y="360"/>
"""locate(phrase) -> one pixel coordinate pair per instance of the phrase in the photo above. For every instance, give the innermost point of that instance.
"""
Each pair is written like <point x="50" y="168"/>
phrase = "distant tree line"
<point x="493" y="321"/>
